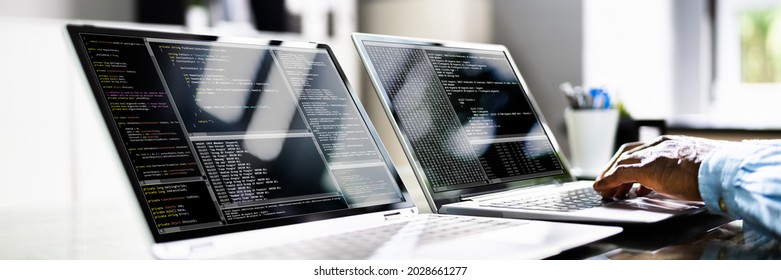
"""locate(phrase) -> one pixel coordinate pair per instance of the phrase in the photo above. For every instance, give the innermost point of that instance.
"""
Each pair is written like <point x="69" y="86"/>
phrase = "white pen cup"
<point x="591" y="134"/>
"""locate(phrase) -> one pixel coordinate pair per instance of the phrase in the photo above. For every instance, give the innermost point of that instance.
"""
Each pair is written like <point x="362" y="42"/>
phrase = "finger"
<point x="628" y="159"/>
<point x="643" y="191"/>
<point x="621" y="151"/>
<point x="622" y="191"/>
<point x="607" y="194"/>
<point x="631" y="145"/>
<point x="656" y="141"/>
<point x="619" y="192"/>
<point x="619" y="175"/>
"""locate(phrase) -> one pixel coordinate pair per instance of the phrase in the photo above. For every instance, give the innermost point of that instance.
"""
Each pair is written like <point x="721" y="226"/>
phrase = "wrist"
<point x="717" y="176"/>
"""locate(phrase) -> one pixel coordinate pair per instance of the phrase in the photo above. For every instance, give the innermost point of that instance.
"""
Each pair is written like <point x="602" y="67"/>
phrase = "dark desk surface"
<point x="701" y="236"/>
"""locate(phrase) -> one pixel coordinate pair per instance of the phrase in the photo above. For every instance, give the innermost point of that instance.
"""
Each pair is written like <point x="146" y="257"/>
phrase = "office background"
<point x="66" y="196"/>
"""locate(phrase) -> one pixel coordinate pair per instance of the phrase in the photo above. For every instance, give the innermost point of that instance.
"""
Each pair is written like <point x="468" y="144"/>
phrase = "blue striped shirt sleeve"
<point x="743" y="181"/>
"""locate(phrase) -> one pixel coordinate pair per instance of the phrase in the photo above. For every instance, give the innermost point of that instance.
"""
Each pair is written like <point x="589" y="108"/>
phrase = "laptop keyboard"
<point x="370" y="242"/>
<point x="565" y="201"/>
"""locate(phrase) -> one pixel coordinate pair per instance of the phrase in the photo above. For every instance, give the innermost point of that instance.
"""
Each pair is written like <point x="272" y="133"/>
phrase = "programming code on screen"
<point x="221" y="134"/>
<point x="464" y="113"/>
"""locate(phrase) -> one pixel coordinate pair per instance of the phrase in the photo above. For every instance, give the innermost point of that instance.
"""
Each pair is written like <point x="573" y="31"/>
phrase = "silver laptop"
<point x="477" y="142"/>
<point x="247" y="148"/>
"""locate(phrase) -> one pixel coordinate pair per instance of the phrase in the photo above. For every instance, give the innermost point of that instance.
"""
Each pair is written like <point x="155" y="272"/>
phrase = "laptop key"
<point x="572" y="200"/>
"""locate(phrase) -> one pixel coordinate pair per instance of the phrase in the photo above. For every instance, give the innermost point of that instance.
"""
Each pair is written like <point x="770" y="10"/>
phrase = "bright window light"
<point x="760" y="45"/>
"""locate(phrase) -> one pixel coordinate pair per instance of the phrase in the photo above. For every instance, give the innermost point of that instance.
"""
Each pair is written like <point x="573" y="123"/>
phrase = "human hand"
<point x="668" y="165"/>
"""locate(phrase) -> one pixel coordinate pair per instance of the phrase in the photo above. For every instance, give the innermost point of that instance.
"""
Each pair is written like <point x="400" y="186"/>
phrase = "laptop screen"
<point x="220" y="136"/>
<point x="466" y="119"/>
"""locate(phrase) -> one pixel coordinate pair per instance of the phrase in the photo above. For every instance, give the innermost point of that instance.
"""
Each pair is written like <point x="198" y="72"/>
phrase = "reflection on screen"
<point x="464" y="114"/>
<point x="221" y="134"/>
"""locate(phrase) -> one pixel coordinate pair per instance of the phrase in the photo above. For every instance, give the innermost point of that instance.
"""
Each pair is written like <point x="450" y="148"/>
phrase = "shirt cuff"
<point x="717" y="177"/>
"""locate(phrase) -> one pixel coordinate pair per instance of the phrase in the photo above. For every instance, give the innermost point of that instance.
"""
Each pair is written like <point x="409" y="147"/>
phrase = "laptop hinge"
<point x="471" y="196"/>
<point x="501" y="193"/>
<point x="399" y="214"/>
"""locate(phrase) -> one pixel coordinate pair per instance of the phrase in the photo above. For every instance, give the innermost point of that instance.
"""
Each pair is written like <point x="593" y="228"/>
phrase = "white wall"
<point x="34" y="148"/>
<point x="458" y="20"/>
<point x="693" y="57"/>
<point x="629" y="48"/>
<point x="114" y="10"/>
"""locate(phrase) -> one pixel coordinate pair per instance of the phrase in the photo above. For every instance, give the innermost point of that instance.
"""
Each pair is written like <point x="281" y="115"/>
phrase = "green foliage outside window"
<point x="760" y="44"/>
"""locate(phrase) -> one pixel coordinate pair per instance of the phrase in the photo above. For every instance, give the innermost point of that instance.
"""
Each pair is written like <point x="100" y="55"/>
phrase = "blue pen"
<point x="606" y="104"/>
<point x="600" y="97"/>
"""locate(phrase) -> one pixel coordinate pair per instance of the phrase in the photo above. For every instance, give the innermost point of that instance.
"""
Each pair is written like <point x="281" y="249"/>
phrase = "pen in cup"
<point x="600" y="97"/>
<point x="579" y="98"/>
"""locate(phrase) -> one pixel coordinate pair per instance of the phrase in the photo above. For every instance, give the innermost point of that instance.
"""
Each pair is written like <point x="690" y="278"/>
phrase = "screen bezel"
<point x="73" y="34"/>
<point x="437" y="199"/>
